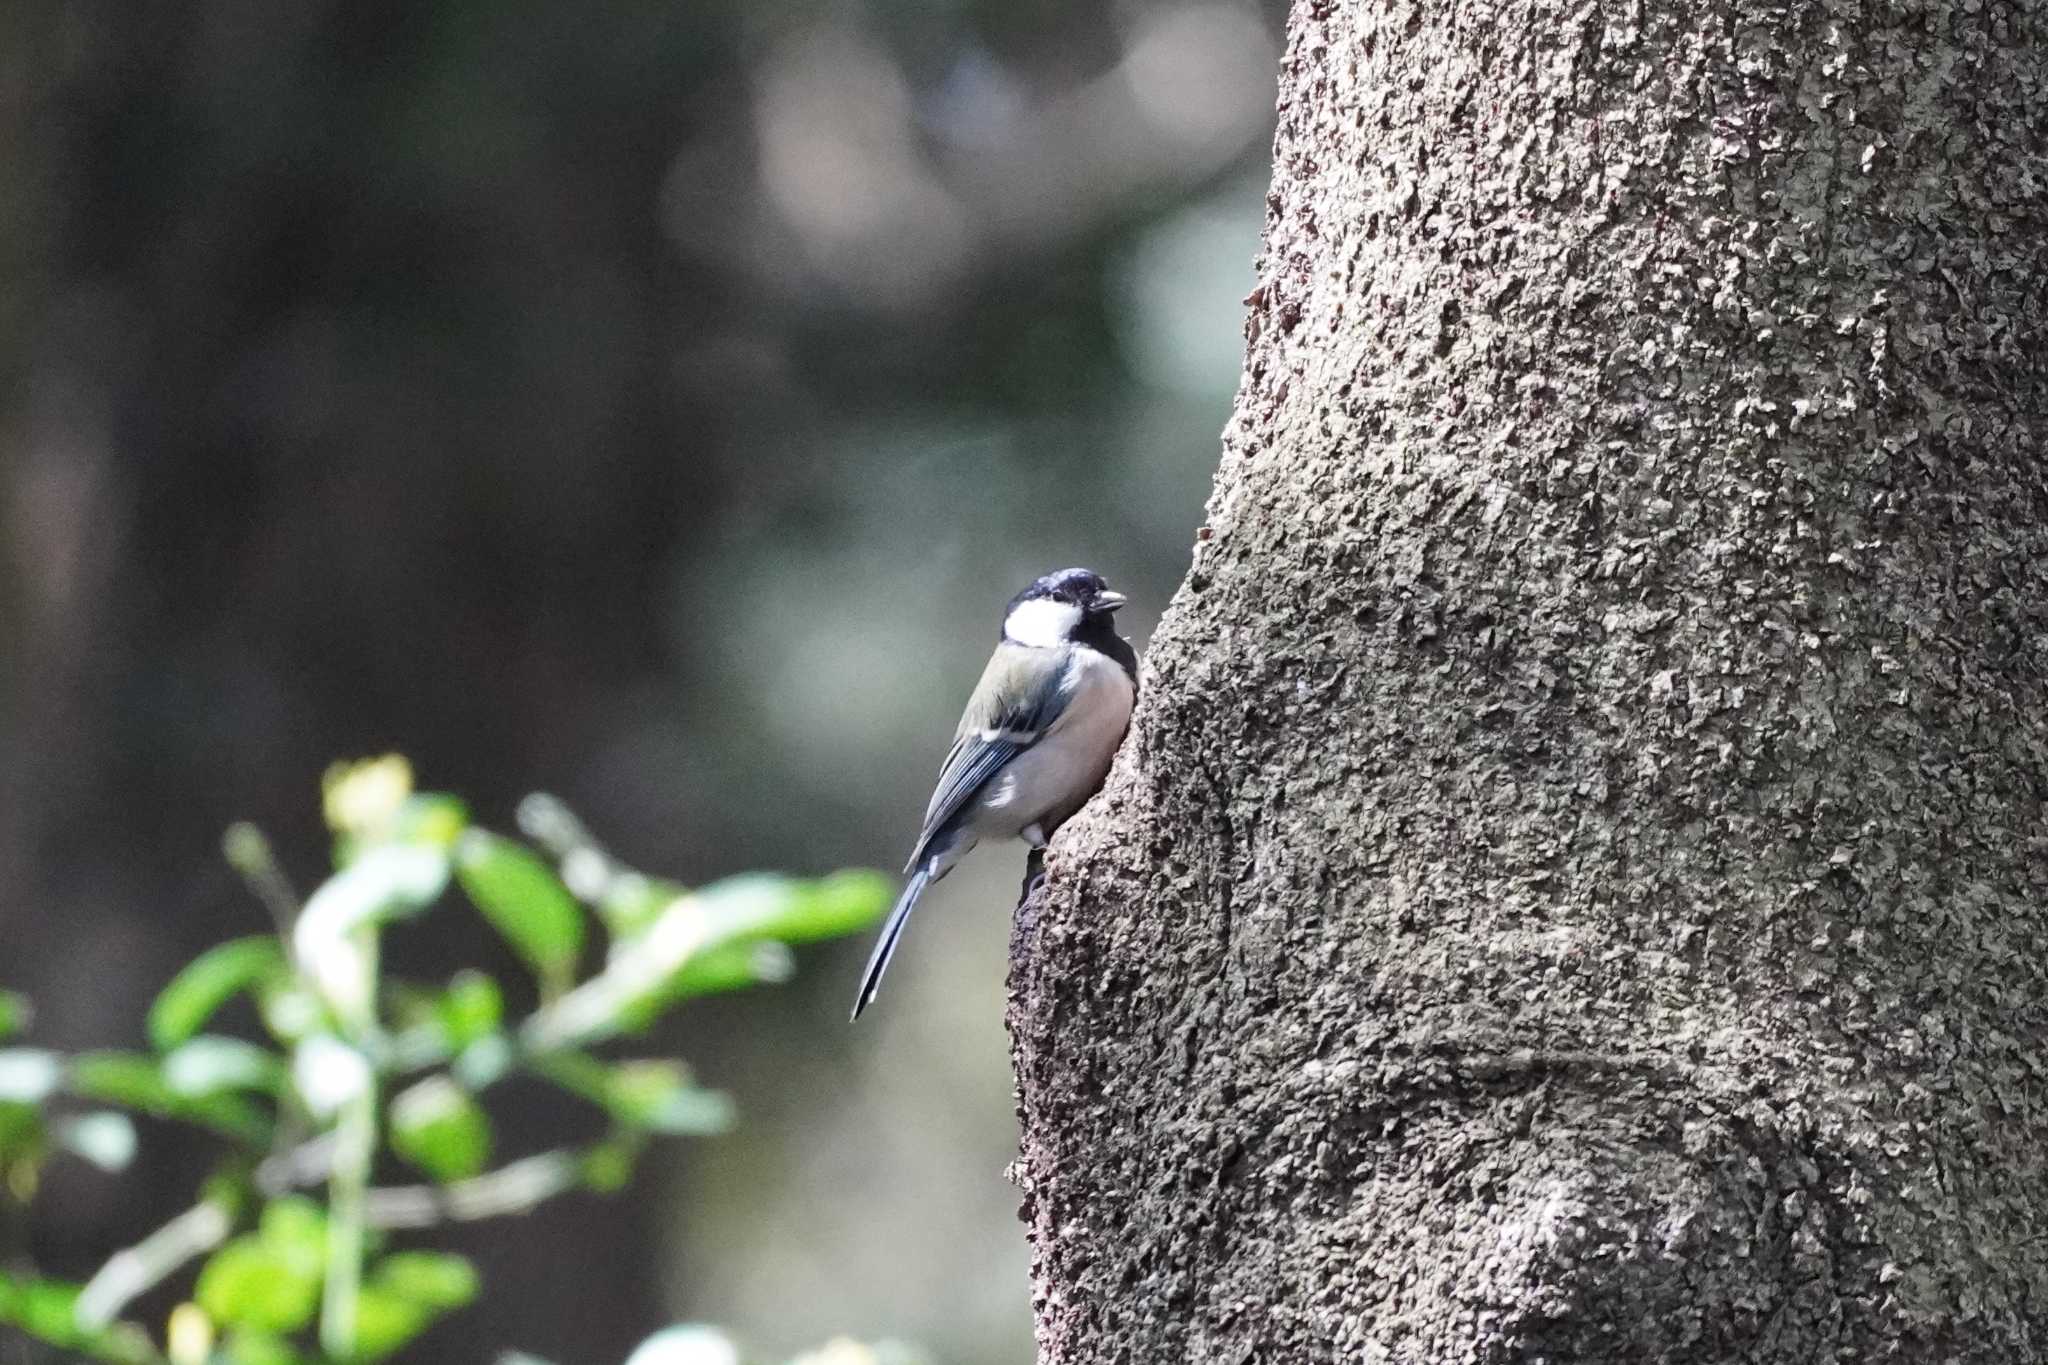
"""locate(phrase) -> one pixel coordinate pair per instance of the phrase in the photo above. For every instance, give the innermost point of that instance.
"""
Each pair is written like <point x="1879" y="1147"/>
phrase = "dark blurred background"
<point x="648" y="402"/>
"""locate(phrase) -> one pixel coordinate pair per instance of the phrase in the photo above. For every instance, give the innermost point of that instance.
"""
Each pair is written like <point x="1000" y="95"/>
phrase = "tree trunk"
<point x="1577" y="885"/>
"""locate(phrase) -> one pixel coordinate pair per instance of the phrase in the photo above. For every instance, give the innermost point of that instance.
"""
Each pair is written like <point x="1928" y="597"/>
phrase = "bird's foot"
<point x="1034" y="875"/>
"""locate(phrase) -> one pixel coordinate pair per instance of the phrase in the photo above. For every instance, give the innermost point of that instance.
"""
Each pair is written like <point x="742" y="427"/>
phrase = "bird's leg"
<point x="1034" y="873"/>
<point x="1034" y="861"/>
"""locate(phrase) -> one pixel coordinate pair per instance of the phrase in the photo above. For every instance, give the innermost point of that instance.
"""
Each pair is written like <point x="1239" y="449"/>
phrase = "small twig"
<point x="513" y="1188"/>
<point x="248" y="852"/>
<point x="140" y="1268"/>
<point x="516" y="1187"/>
<point x="592" y="1010"/>
<point x="355" y="1147"/>
<point x="297" y="1167"/>
<point x="348" y="1180"/>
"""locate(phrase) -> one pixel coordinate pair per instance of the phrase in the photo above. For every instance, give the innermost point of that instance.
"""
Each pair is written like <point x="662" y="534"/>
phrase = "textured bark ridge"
<point x="1577" y="887"/>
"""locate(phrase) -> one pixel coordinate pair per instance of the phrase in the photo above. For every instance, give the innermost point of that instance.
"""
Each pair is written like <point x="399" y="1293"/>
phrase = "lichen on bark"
<point x="1577" y="886"/>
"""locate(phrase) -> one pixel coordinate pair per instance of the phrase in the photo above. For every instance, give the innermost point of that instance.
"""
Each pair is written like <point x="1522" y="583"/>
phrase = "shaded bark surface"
<point x="1577" y="887"/>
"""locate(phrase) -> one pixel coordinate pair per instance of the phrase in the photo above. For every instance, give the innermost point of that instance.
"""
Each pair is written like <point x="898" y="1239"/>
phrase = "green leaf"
<point x="385" y="1322"/>
<point x="28" y="1075"/>
<point x="210" y="1064"/>
<point x="579" y="1073"/>
<point x="403" y="1296"/>
<point x="21" y="1136"/>
<point x="135" y="1081"/>
<point x="105" y="1139"/>
<point x="702" y="943"/>
<point x="250" y="1284"/>
<point x="126" y="1078"/>
<point x="792" y="910"/>
<point x="657" y="1096"/>
<point x="712" y="971"/>
<point x="590" y="874"/>
<point x="210" y="981"/>
<point x="436" y="1025"/>
<point x="123" y="1077"/>
<point x="437" y="1127"/>
<point x="15" y="1013"/>
<point x="44" y="1309"/>
<point x="526" y="902"/>
<point x="431" y="1279"/>
<point x="607" y="1168"/>
<point x="729" y="967"/>
<point x="246" y="1347"/>
<point x="39" y="1306"/>
<point x="296" y="1228"/>
<point x="471" y="1008"/>
<point x="268" y="1281"/>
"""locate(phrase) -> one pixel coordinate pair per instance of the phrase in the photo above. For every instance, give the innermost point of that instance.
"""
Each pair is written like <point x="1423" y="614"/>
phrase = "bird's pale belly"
<point x="1053" y="778"/>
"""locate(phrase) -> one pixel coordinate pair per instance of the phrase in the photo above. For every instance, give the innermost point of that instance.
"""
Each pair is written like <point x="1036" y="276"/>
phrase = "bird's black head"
<point x="1060" y="607"/>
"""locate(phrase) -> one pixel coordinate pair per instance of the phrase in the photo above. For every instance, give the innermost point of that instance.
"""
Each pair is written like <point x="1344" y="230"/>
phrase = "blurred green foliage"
<point x="290" y="1252"/>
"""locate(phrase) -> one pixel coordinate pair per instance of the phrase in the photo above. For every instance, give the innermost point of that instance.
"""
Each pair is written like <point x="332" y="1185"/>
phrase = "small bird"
<point x="1035" y="741"/>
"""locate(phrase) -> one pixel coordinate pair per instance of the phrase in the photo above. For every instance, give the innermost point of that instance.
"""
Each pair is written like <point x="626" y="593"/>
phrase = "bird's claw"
<point x="1034" y="874"/>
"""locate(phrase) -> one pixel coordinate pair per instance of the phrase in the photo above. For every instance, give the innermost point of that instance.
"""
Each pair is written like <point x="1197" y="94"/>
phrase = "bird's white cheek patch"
<point x="1042" y="622"/>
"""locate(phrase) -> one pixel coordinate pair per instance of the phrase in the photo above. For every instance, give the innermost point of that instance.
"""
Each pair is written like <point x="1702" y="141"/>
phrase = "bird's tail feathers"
<point x="892" y="929"/>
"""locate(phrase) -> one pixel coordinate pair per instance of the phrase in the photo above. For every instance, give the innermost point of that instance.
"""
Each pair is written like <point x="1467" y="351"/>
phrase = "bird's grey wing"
<point x="1014" y="708"/>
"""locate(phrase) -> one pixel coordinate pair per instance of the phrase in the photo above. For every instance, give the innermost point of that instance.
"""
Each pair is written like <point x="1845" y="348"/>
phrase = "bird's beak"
<point x="1109" y="601"/>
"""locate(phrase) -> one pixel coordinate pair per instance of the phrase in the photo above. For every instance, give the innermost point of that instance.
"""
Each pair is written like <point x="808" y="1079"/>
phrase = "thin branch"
<point x="348" y="1180"/>
<point x="592" y="1010"/>
<point x="355" y="1147"/>
<point x="295" y="1168"/>
<point x="516" y="1187"/>
<point x="142" y="1267"/>
<point x="248" y="852"/>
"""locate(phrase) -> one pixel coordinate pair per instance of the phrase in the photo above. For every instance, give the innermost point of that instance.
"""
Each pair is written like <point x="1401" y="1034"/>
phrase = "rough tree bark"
<point x="1577" y="887"/>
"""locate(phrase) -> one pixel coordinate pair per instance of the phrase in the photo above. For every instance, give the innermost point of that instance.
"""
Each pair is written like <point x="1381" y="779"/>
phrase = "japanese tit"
<point x="1035" y="741"/>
